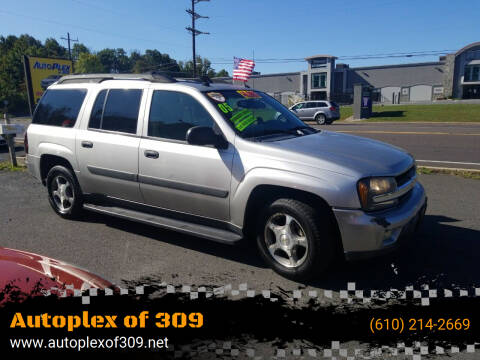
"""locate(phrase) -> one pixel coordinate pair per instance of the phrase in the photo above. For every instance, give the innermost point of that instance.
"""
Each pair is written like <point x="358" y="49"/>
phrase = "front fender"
<point x="335" y="189"/>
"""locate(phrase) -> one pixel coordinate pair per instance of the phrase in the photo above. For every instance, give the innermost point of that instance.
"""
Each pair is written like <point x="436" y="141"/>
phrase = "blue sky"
<point x="273" y="29"/>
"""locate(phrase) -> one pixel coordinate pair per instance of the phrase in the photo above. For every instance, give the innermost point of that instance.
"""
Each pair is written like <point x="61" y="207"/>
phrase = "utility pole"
<point x="194" y="31"/>
<point x="68" y="39"/>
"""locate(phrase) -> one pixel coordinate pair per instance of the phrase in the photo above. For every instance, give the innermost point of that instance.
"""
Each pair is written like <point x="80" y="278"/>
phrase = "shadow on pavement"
<point x="441" y="254"/>
<point x="387" y="114"/>
<point x="240" y="253"/>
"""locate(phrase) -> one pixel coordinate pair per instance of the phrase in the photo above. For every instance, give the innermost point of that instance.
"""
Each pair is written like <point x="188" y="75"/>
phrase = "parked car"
<point x="323" y="112"/>
<point x="24" y="274"/>
<point x="223" y="163"/>
<point x="45" y="83"/>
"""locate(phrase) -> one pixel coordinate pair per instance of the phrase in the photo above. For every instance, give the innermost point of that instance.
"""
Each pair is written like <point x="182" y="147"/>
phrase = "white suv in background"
<point x="322" y="111"/>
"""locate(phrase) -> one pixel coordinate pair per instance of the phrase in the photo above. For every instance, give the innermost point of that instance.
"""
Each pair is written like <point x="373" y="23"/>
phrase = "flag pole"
<point x="253" y="58"/>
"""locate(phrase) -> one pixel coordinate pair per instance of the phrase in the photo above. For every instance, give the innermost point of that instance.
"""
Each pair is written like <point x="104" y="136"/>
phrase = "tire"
<point x="282" y="224"/>
<point x="64" y="193"/>
<point x="320" y="119"/>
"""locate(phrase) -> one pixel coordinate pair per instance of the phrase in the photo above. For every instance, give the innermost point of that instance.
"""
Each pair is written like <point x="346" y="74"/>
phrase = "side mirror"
<point x="204" y="135"/>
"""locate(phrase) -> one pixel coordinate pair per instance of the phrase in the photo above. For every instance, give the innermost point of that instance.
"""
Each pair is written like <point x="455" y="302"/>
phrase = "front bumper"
<point x="366" y="235"/>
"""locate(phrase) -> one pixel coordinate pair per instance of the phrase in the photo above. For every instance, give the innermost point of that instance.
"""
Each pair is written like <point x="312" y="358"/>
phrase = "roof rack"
<point x="98" y="78"/>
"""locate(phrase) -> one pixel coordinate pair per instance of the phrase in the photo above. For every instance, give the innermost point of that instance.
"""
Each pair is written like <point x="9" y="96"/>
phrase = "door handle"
<point x="87" y="144"/>
<point x="152" y="154"/>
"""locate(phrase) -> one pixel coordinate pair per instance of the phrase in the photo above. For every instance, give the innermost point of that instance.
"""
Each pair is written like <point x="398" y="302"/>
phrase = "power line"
<point x="85" y="28"/>
<point x="69" y="40"/>
<point x="351" y="57"/>
<point x="194" y="31"/>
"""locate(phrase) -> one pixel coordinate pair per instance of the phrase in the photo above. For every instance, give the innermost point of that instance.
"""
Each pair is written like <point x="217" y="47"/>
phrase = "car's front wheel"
<point x="64" y="193"/>
<point x="320" y="119"/>
<point x="295" y="239"/>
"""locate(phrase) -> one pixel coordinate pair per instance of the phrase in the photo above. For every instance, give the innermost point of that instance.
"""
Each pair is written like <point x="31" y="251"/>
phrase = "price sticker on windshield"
<point x="225" y="108"/>
<point x="249" y="94"/>
<point x="242" y="119"/>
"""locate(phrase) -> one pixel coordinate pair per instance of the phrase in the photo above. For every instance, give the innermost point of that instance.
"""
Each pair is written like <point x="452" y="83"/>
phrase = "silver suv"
<point x="223" y="163"/>
<point x="323" y="112"/>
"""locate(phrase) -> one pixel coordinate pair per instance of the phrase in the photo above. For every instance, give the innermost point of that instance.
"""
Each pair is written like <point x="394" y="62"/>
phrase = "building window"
<point x="319" y="81"/>
<point x="318" y="63"/>
<point x="475" y="73"/>
<point x="472" y="73"/>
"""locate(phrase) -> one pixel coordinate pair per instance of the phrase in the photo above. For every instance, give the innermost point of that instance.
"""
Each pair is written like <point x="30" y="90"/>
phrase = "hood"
<point x="24" y="274"/>
<point x="347" y="154"/>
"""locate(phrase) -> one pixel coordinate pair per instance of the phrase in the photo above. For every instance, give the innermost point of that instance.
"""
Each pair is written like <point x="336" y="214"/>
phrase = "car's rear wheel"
<point x="64" y="193"/>
<point x="320" y="119"/>
<point x="295" y="239"/>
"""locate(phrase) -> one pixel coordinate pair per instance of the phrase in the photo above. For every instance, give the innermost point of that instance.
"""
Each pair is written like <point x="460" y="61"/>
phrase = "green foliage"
<point x="420" y="113"/>
<point x="88" y="64"/>
<point x="12" y="77"/>
<point x="7" y="166"/>
<point x="77" y="49"/>
<point x="222" y="73"/>
<point x="203" y="68"/>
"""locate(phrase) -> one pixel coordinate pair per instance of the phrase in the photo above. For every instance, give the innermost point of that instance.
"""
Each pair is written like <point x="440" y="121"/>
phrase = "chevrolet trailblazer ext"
<point x="222" y="163"/>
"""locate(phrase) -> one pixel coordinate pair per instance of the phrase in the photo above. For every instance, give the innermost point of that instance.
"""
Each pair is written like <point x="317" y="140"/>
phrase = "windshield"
<point x="257" y="116"/>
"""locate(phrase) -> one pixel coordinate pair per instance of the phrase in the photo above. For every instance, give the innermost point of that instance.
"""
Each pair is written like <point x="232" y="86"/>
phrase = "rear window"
<point x="59" y="107"/>
<point x="116" y="110"/>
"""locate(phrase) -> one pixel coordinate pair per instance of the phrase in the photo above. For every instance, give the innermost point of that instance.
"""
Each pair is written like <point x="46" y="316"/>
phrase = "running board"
<point x="207" y="232"/>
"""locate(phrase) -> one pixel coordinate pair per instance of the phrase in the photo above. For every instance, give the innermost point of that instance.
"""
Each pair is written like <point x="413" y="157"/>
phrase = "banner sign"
<point x="41" y="73"/>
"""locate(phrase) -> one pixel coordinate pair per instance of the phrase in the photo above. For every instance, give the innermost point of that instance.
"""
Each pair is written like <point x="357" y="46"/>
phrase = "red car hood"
<point x="23" y="274"/>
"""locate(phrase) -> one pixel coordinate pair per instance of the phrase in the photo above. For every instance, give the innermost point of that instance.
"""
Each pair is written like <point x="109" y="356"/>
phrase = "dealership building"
<point x="455" y="75"/>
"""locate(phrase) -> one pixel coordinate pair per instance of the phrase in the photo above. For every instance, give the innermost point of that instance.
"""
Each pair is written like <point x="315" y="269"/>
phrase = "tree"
<point x="79" y="48"/>
<point x="89" y="63"/>
<point x="222" y="73"/>
<point x="203" y="68"/>
<point x="108" y="60"/>
<point x="153" y="60"/>
<point x="53" y="49"/>
<point x="12" y="77"/>
<point x="122" y="61"/>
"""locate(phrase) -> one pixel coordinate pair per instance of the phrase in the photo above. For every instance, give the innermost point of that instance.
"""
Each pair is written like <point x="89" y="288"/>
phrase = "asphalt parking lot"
<point x="443" y="254"/>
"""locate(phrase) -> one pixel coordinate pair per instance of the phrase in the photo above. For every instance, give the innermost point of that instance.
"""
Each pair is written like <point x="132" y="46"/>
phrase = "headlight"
<point x="370" y="191"/>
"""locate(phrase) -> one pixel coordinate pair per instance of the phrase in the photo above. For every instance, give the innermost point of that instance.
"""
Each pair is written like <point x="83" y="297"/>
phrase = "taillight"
<point x="25" y="142"/>
<point x="332" y="108"/>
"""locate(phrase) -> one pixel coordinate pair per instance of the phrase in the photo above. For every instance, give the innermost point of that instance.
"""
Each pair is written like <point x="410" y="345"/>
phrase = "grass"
<point x="420" y="113"/>
<point x="462" y="173"/>
<point x="7" y="166"/>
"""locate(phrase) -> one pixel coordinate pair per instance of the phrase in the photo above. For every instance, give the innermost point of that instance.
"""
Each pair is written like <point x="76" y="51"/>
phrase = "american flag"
<point x="242" y="68"/>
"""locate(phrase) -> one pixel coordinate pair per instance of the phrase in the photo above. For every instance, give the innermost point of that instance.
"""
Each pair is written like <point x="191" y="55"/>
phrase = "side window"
<point x="59" y="107"/>
<point x="311" y="105"/>
<point x="97" y="111"/>
<point x="322" y="104"/>
<point x="121" y="110"/>
<point x="116" y="110"/>
<point x="173" y="113"/>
